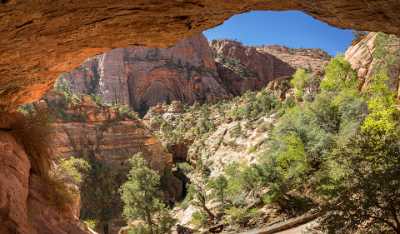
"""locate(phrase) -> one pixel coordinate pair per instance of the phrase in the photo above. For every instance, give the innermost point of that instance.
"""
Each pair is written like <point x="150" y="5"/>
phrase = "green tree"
<point x="218" y="187"/>
<point x="338" y="75"/>
<point x="141" y="196"/>
<point x="300" y="80"/>
<point x="366" y="185"/>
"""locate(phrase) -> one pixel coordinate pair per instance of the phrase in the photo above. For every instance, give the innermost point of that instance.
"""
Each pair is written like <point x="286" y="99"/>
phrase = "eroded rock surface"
<point x="142" y="77"/>
<point x="373" y="52"/>
<point x="24" y="207"/>
<point x="191" y="71"/>
<point x="41" y="39"/>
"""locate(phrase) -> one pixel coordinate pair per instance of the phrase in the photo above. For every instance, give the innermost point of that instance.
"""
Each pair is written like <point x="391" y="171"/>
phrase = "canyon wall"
<point x="191" y="71"/>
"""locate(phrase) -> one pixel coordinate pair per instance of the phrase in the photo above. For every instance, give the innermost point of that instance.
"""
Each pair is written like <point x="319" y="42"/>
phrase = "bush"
<point x="299" y="81"/>
<point x="72" y="169"/>
<point x="339" y="75"/>
<point x="240" y="215"/>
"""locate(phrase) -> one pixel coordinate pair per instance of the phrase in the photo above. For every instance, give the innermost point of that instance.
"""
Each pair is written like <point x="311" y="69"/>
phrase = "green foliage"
<point x="62" y="86"/>
<point x="91" y="223"/>
<point x="99" y="191"/>
<point x="240" y="215"/>
<point x="381" y="107"/>
<point x="218" y="188"/>
<point x="365" y="192"/>
<point x="300" y="80"/>
<point x="198" y="196"/>
<point x="243" y="181"/>
<point x="142" y="198"/>
<point x="73" y="169"/>
<point x="338" y="75"/>
<point x="199" y="219"/>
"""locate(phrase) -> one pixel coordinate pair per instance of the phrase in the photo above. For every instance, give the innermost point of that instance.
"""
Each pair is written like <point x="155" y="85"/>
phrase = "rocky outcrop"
<point x="142" y="77"/>
<point x="191" y="71"/>
<point x="243" y="68"/>
<point x="372" y="52"/>
<point x="88" y="129"/>
<point x="24" y="207"/>
<point x="40" y="40"/>
<point x="314" y="60"/>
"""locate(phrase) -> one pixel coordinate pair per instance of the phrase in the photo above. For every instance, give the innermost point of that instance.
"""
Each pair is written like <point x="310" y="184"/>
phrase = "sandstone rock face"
<point x="364" y="59"/>
<point x="14" y="186"/>
<point x="191" y="71"/>
<point x="243" y="68"/>
<point x="142" y="77"/>
<point x="41" y="39"/>
<point x="314" y="60"/>
<point x="102" y="132"/>
<point x="24" y="208"/>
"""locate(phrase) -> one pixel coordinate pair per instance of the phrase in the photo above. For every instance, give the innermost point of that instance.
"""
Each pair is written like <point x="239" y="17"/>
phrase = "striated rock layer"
<point x="86" y="129"/>
<point x="41" y="39"/>
<point x="142" y="77"/>
<point x="191" y="71"/>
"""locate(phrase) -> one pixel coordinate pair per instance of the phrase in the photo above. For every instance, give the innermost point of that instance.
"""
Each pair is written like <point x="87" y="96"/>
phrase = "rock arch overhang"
<point x="39" y="39"/>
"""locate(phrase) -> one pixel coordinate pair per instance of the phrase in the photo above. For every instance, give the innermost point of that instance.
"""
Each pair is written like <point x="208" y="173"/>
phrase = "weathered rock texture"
<point x="24" y="207"/>
<point x="243" y="68"/>
<point x="87" y="129"/>
<point x="191" y="71"/>
<point x="41" y="39"/>
<point x="142" y="77"/>
<point x="314" y="60"/>
<point x="365" y="56"/>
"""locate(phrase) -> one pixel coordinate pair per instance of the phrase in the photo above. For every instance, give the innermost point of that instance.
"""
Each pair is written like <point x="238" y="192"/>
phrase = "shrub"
<point x="91" y="223"/>
<point x="199" y="219"/>
<point x="72" y="169"/>
<point x="299" y="81"/>
<point x="338" y="75"/>
<point x="240" y="215"/>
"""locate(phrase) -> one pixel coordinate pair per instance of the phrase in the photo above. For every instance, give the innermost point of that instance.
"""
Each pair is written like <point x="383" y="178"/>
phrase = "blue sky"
<point x="290" y="28"/>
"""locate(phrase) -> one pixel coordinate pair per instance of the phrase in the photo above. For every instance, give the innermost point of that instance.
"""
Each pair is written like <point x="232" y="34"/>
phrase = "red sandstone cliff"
<point x="142" y="77"/>
<point x="191" y="71"/>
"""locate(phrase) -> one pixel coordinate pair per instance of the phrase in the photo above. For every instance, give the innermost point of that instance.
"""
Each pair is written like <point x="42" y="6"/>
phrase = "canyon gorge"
<point x="140" y="77"/>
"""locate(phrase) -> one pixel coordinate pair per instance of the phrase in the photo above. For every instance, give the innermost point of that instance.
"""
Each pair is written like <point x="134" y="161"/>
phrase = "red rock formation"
<point x="362" y="59"/>
<point x="243" y="68"/>
<point x="190" y="71"/>
<point x="86" y="128"/>
<point x="24" y="208"/>
<point x="313" y="60"/>
<point x="41" y="39"/>
<point x="142" y="77"/>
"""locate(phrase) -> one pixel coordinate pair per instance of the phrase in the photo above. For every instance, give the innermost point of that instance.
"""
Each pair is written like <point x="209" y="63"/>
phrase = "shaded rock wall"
<point x="41" y="39"/>
<point x="24" y="207"/>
